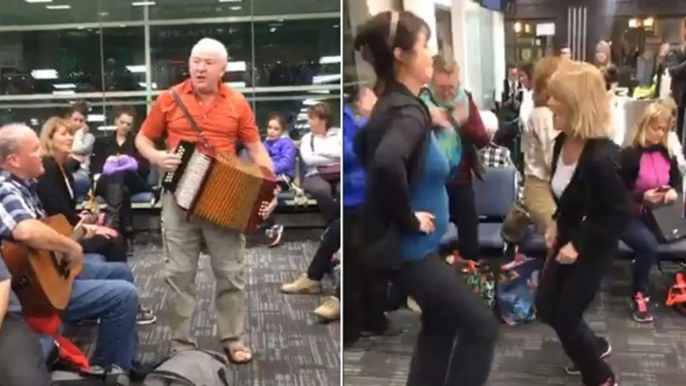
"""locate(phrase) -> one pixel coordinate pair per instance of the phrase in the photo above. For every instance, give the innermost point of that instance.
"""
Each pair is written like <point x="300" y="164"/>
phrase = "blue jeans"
<point x="642" y="241"/>
<point x="82" y="182"/>
<point x="106" y="291"/>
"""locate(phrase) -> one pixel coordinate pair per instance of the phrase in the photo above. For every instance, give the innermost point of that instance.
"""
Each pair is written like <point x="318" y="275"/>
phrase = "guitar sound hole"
<point x="20" y="282"/>
<point x="60" y="265"/>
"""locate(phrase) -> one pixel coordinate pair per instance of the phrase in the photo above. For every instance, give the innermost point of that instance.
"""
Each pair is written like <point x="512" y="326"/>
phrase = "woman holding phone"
<point x="651" y="171"/>
<point x="405" y="211"/>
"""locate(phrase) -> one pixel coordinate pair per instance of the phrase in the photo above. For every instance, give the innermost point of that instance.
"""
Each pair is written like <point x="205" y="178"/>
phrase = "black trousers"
<point x="22" y="362"/>
<point x="114" y="249"/>
<point x="326" y="194"/>
<point x="458" y="334"/>
<point x="321" y="262"/>
<point x="117" y="190"/>
<point x="463" y="214"/>
<point x="564" y="293"/>
<point x="366" y="288"/>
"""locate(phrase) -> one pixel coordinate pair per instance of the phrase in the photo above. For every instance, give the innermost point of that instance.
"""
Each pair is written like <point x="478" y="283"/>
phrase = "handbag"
<point x="329" y="173"/>
<point x="516" y="224"/>
<point x="667" y="221"/>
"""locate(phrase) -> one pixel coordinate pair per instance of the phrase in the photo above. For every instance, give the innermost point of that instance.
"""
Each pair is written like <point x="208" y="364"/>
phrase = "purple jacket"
<point x="282" y="151"/>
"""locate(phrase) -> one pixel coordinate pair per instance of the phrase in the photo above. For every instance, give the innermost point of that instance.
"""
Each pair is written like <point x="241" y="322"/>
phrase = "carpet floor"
<point x="291" y="347"/>
<point x="530" y="355"/>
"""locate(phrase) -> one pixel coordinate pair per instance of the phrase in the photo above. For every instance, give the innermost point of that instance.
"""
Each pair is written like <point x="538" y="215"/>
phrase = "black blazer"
<point x="630" y="163"/>
<point x="392" y="148"/>
<point x="107" y="146"/>
<point x="53" y="192"/>
<point x="595" y="206"/>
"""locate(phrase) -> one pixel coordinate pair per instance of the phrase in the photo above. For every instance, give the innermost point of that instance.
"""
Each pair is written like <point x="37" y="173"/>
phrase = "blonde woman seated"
<point x="651" y="172"/>
<point x="56" y="190"/>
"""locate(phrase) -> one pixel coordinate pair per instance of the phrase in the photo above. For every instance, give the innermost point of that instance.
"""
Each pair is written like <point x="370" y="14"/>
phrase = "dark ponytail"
<point x="377" y="38"/>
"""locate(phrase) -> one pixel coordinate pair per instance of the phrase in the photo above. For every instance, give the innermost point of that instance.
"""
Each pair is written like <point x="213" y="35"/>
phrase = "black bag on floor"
<point x="94" y="377"/>
<point x="191" y="368"/>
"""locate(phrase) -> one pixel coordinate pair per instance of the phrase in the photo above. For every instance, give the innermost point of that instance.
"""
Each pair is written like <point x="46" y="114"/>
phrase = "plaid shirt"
<point x="496" y="156"/>
<point x="18" y="202"/>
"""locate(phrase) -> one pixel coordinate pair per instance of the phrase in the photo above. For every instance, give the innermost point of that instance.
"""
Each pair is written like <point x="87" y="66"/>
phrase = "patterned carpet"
<point x="291" y="347"/>
<point x="530" y="355"/>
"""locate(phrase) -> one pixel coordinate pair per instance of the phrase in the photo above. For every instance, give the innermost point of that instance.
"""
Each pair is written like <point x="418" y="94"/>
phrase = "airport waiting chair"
<point x="494" y="197"/>
<point x="147" y="199"/>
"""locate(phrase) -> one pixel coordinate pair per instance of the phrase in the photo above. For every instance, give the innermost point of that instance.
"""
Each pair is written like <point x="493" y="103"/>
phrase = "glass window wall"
<point x="108" y="53"/>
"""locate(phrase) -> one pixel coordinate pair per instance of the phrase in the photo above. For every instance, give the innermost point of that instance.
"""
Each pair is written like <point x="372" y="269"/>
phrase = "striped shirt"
<point x="18" y="202"/>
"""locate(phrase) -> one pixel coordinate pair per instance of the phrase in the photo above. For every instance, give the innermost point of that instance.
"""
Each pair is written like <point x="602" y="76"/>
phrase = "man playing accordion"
<point x="224" y="118"/>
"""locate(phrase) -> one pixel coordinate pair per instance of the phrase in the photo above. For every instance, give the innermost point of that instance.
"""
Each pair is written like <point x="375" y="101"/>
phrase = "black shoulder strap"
<point x="418" y="156"/>
<point x="190" y="119"/>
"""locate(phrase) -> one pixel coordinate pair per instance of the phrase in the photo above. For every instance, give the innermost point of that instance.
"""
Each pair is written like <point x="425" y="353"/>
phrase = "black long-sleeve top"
<point x="53" y="190"/>
<point x="392" y="148"/>
<point x="595" y="206"/>
<point x="107" y="146"/>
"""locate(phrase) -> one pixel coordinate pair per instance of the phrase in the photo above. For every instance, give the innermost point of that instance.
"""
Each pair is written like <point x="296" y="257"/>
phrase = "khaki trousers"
<point x="538" y="200"/>
<point x="182" y="240"/>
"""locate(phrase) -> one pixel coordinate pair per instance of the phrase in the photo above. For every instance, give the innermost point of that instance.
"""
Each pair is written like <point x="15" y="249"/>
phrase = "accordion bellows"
<point x="224" y="190"/>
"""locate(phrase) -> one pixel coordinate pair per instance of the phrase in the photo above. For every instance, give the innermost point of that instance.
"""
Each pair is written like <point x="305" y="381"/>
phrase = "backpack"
<point x="191" y="368"/>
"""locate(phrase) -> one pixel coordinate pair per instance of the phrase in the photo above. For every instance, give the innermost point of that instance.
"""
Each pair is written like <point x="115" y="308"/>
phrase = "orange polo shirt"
<point x="224" y="121"/>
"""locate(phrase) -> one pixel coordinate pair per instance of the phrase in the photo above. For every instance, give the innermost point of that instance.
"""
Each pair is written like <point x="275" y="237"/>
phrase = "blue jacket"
<point x="353" y="173"/>
<point x="282" y="151"/>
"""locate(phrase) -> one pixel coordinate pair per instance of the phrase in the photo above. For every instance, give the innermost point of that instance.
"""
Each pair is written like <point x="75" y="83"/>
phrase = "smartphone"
<point x="663" y="189"/>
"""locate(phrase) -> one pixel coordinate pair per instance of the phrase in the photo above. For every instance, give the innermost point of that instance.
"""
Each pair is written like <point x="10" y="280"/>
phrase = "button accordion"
<point x="223" y="190"/>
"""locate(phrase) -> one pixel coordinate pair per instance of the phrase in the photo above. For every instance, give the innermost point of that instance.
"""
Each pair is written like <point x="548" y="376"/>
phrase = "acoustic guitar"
<point x="42" y="280"/>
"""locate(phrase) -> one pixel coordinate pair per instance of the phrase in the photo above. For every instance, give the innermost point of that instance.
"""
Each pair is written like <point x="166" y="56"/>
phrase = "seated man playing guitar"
<point x="103" y="291"/>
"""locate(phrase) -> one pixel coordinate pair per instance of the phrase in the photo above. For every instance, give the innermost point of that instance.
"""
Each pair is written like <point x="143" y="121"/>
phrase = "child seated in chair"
<point x="282" y="152"/>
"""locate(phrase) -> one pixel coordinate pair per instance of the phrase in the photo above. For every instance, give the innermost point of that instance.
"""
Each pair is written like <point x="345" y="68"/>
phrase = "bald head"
<point x="20" y="151"/>
<point x="10" y="137"/>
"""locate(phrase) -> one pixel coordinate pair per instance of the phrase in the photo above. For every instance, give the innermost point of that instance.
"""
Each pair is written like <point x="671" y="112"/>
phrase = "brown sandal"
<point x="239" y="354"/>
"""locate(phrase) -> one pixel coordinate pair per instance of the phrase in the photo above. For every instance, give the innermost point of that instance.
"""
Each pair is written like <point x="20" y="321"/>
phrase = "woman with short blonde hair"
<point x="57" y="194"/>
<point x="48" y="131"/>
<point x="580" y="89"/>
<point x="651" y="172"/>
<point x="593" y="206"/>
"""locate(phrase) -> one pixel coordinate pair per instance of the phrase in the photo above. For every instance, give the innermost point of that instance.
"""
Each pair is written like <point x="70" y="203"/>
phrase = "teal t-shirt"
<point x="429" y="195"/>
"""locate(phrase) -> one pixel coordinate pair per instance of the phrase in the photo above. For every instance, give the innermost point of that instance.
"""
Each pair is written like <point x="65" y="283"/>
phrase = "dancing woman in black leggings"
<point x="592" y="207"/>
<point x="405" y="212"/>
